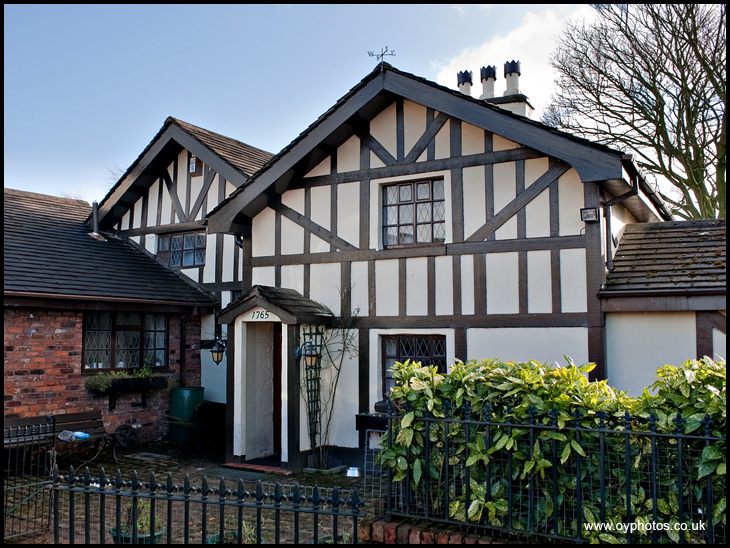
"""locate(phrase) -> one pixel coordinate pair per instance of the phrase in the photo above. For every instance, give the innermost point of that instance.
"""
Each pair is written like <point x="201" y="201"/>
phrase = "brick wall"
<point x="381" y="531"/>
<point x="42" y="371"/>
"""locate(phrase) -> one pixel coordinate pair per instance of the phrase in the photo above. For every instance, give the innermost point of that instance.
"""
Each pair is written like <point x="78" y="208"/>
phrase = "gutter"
<point x="608" y="294"/>
<point x="104" y="298"/>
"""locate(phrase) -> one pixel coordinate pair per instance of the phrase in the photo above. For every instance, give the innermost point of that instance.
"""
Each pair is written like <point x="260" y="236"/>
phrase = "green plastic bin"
<point x="183" y="401"/>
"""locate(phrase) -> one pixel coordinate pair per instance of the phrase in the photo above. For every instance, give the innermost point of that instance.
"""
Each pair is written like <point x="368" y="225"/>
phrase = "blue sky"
<point x="88" y="87"/>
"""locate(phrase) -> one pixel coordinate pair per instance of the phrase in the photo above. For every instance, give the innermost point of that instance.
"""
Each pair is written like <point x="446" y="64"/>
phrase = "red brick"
<point x="428" y="537"/>
<point x="456" y="538"/>
<point x="414" y="535"/>
<point x="42" y="371"/>
<point x="443" y="537"/>
<point x="377" y="534"/>
<point x="363" y="530"/>
<point x="403" y="533"/>
<point x="389" y="531"/>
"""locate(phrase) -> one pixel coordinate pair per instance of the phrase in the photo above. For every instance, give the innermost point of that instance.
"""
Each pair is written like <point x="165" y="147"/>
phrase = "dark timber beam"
<point x="522" y="199"/>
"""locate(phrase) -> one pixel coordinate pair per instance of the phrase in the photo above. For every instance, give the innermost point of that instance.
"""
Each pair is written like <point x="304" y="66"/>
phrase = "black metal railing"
<point x="102" y="509"/>
<point x="29" y="457"/>
<point x="586" y="478"/>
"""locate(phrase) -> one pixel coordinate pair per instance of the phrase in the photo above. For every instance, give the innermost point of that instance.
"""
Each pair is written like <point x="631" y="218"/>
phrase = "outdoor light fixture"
<point x="309" y="353"/>
<point x="217" y="351"/>
<point x="589" y="215"/>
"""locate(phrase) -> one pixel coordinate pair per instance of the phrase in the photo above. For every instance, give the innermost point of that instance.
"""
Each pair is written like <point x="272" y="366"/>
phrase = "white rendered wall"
<point x="544" y="344"/>
<point x="503" y="291"/>
<point x="417" y="287"/>
<point x="637" y="343"/>
<point x="570" y="191"/>
<point x="719" y="350"/>
<point x="386" y="287"/>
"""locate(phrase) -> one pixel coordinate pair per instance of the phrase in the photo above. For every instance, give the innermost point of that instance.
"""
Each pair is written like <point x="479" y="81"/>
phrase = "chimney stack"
<point x="488" y="76"/>
<point x="512" y="100"/>
<point x="512" y="75"/>
<point x="463" y="79"/>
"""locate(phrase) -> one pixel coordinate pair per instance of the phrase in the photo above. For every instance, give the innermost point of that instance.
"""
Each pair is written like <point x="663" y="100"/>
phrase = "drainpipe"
<point x="183" y="322"/>
<point x="607" y="213"/>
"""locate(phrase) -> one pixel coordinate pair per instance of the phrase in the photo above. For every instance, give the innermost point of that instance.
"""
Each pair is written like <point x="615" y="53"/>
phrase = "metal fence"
<point x="601" y="479"/>
<point x="29" y="457"/>
<point x="100" y="510"/>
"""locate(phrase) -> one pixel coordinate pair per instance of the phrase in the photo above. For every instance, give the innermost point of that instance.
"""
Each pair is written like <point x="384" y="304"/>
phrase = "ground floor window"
<point x="124" y="340"/>
<point x="427" y="349"/>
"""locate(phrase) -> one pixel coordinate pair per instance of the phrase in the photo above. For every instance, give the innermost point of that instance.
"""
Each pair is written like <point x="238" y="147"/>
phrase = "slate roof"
<point x="48" y="252"/>
<point x="232" y="159"/>
<point x="673" y="256"/>
<point x="593" y="161"/>
<point x="245" y="158"/>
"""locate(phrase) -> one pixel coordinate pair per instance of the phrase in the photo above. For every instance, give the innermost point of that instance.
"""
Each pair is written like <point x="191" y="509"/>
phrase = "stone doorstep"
<point x="259" y="468"/>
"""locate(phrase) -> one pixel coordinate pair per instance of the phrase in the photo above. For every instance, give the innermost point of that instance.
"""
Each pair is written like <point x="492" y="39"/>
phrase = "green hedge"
<point x="543" y="462"/>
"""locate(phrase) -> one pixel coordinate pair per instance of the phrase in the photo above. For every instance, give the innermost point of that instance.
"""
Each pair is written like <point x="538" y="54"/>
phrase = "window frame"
<point x="436" y="217"/>
<point x="115" y="327"/>
<point x="400" y="357"/>
<point x="165" y="255"/>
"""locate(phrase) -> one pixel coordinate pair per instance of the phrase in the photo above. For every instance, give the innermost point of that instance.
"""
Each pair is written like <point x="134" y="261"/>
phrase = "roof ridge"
<point x="47" y="196"/>
<point x="183" y="123"/>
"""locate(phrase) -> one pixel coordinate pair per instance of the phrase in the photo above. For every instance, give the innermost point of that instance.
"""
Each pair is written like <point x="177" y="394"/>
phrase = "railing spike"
<point x="170" y="487"/>
<point x="102" y="479"/>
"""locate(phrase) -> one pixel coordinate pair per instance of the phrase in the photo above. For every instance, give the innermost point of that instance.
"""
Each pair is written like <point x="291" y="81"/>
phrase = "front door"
<point x="262" y="397"/>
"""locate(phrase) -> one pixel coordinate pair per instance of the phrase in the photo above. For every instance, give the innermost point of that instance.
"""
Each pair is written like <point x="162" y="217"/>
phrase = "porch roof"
<point x="287" y="304"/>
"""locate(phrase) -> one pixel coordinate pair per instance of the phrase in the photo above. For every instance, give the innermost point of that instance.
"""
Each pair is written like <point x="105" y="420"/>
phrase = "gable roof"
<point x="232" y="159"/>
<point x="686" y="257"/>
<point x="48" y="253"/>
<point x="287" y="304"/>
<point x="375" y="92"/>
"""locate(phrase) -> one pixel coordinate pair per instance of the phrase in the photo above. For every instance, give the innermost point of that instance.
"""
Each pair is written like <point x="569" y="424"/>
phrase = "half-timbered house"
<point x="160" y="204"/>
<point x="447" y="226"/>
<point x="428" y="225"/>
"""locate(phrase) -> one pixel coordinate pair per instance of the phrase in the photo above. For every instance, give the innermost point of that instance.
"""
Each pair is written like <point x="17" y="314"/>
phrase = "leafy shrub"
<point x="468" y="439"/>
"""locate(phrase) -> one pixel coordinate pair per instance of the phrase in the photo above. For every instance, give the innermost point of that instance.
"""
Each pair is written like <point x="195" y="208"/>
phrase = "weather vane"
<point x="383" y="53"/>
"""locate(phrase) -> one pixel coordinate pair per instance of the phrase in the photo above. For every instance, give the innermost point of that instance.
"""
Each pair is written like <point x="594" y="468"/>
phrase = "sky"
<point x="87" y="87"/>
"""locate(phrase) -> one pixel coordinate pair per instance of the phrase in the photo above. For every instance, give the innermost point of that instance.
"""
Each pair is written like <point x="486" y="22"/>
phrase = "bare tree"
<point x="650" y="79"/>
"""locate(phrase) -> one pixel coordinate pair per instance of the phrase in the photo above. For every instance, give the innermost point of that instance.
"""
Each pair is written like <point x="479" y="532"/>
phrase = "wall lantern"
<point x="589" y="215"/>
<point x="309" y="353"/>
<point x="217" y="351"/>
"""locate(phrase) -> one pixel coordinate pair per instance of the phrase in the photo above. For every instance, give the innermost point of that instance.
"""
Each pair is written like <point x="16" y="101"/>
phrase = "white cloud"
<point x="532" y="44"/>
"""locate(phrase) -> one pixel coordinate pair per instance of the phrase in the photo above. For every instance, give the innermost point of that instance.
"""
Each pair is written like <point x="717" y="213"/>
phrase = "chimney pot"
<point x="489" y="76"/>
<point x="463" y="79"/>
<point x="512" y="74"/>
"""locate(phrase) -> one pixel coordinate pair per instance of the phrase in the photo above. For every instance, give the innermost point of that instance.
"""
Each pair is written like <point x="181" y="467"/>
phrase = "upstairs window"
<point x="427" y="349"/>
<point x="124" y="340"/>
<point x="182" y="250"/>
<point x="414" y="213"/>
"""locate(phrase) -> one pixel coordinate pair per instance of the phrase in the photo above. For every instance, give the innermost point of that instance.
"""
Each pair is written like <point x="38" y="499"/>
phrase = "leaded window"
<point x="414" y="213"/>
<point x="182" y="250"/>
<point x="124" y="340"/>
<point x="427" y="349"/>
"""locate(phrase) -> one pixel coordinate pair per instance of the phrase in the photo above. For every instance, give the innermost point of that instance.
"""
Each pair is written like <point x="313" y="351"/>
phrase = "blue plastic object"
<point x="81" y="435"/>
